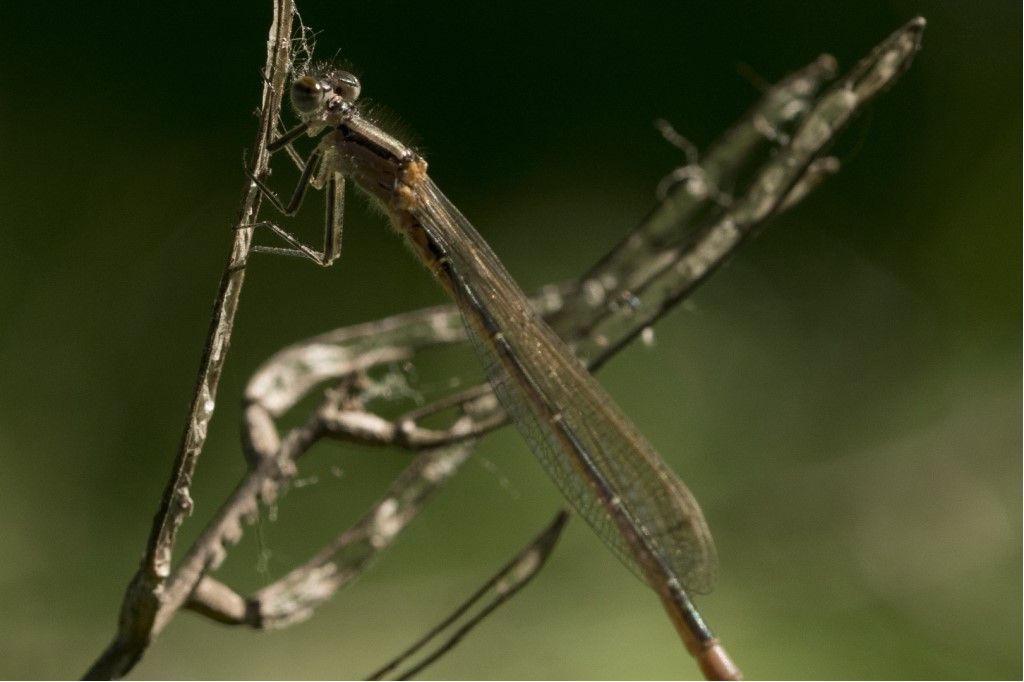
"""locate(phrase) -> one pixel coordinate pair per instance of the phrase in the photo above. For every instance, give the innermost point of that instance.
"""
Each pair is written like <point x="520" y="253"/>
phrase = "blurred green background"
<point x="844" y="398"/>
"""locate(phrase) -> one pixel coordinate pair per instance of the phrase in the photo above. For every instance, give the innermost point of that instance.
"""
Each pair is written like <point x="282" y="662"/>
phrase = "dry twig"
<point x="145" y="597"/>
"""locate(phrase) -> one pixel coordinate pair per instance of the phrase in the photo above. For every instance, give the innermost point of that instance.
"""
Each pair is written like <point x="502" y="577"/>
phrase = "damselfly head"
<point x="313" y="94"/>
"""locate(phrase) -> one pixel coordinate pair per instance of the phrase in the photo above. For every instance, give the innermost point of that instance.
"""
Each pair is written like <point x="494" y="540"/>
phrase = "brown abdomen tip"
<point x="716" y="664"/>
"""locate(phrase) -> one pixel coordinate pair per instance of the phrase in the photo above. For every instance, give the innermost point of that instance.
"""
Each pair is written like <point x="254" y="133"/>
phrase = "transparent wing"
<point x="587" y="445"/>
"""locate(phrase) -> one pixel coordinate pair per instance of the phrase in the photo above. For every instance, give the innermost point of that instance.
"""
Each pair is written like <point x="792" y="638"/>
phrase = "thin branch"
<point x="512" y="577"/>
<point x="144" y="596"/>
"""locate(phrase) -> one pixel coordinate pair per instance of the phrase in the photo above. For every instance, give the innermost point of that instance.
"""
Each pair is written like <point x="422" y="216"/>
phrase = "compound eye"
<point x="307" y="94"/>
<point x="346" y="86"/>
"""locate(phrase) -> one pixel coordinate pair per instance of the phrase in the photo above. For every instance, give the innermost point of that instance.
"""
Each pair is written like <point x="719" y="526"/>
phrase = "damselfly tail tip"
<point x="716" y="664"/>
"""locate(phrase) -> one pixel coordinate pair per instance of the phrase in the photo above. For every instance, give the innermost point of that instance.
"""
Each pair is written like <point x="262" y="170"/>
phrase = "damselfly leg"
<point x="318" y="172"/>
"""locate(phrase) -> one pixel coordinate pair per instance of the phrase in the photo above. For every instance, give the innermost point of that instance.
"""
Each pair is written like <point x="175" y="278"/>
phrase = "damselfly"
<point x="606" y="469"/>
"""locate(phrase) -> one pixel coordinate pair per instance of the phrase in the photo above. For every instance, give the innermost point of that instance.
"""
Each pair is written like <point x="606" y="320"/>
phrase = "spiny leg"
<point x="335" y="218"/>
<point x="305" y="179"/>
<point x="289" y="149"/>
<point x="322" y="259"/>
<point x="289" y="137"/>
<point x="317" y="171"/>
<point x="300" y="249"/>
<point x="300" y="189"/>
